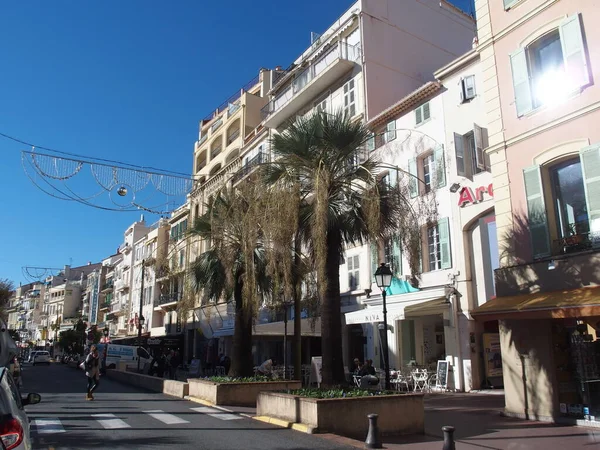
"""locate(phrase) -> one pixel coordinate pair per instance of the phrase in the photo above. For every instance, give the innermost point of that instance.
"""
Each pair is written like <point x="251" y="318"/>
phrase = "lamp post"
<point x="286" y="306"/>
<point x="383" y="278"/>
<point x="141" y="321"/>
<point x="105" y="331"/>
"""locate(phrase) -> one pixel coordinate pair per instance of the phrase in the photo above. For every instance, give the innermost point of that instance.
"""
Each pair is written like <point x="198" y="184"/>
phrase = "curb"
<point x="282" y="423"/>
<point x="211" y="404"/>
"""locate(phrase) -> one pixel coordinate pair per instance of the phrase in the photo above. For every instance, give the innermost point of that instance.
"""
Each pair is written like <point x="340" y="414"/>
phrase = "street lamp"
<point x="383" y="278"/>
<point x="141" y="321"/>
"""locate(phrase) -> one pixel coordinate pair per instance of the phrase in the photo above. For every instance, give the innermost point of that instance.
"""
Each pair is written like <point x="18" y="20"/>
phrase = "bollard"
<point x="448" y="438"/>
<point x="373" y="439"/>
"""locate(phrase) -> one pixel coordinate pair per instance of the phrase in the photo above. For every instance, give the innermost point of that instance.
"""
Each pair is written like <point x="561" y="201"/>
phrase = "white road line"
<point x="164" y="417"/>
<point x="110" y="421"/>
<point x="225" y="416"/>
<point x="205" y="410"/>
<point x="48" y="426"/>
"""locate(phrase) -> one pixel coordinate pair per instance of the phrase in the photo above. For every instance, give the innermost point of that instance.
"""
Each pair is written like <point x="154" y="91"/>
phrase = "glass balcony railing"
<point x="312" y="72"/>
<point x="260" y="158"/>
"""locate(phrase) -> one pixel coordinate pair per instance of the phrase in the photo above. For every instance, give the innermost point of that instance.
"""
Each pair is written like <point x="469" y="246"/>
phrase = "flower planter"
<point x="398" y="414"/>
<point x="235" y="394"/>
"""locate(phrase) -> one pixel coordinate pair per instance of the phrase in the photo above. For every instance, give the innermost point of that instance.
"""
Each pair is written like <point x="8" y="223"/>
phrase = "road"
<point x="122" y="417"/>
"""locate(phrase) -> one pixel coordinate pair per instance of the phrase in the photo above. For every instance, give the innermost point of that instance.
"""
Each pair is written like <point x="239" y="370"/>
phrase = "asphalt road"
<point x="122" y="417"/>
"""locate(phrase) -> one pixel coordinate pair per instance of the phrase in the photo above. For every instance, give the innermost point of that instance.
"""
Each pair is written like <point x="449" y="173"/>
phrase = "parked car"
<point x="41" y="358"/>
<point x="14" y="423"/>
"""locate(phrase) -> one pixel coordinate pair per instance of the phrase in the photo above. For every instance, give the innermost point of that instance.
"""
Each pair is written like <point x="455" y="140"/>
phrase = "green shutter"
<point x="536" y="211"/>
<point x="459" y="150"/>
<point x="444" y="234"/>
<point x="522" y="87"/>
<point x="571" y="39"/>
<point x="413" y="186"/>
<point x="426" y="112"/>
<point x="390" y="134"/>
<point x="418" y="115"/>
<point x="397" y="257"/>
<point x="590" y="167"/>
<point x="374" y="261"/>
<point x="440" y="166"/>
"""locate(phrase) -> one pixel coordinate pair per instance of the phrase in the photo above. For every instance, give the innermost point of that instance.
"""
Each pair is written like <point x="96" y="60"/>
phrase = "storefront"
<point x="550" y="352"/>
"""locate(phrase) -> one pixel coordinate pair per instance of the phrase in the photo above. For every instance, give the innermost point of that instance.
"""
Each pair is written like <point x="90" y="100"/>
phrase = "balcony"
<point x="215" y="126"/>
<point x="105" y="306"/>
<point x="122" y="285"/>
<point x="167" y="300"/>
<point x="108" y="286"/>
<point x="309" y="83"/>
<point x="246" y="169"/>
<point x="233" y="136"/>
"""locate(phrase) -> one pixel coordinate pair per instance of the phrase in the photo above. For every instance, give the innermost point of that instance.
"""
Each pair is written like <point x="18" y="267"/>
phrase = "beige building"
<point x="540" y="60"/>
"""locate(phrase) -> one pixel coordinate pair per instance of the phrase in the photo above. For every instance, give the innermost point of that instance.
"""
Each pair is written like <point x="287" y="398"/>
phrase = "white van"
<point x="127" y="353"/>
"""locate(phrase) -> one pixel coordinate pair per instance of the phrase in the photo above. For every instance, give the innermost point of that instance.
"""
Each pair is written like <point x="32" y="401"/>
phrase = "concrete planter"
<point x="235" y="394"/>
<point x="398" y="414"/>
<point x="156" y="384"/>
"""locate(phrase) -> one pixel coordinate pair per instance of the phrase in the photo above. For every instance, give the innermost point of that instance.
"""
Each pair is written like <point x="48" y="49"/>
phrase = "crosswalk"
<point x="110" y="421"/>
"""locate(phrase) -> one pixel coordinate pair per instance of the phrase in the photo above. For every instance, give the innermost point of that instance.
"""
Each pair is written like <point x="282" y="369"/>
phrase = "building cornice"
<point x="459" y="63"/>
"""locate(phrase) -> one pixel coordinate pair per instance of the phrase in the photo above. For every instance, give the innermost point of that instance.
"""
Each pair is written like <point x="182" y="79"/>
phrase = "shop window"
<point x="438" y="246"/>
<point x="427" y="172"/>
<point x="469" y="152"/>
<point x="563" y="204"/>
<point x="353" y="272"/>
<point x="422" y="113"/>
<point x="550" y="68"/>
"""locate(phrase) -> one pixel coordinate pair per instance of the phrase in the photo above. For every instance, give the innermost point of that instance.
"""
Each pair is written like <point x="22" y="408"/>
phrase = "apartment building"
<point x="25" y="310"/>
<point x="540" y="60"/>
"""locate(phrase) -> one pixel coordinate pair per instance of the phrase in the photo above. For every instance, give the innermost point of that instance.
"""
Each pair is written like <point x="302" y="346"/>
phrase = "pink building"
<point x="541" y="62"/>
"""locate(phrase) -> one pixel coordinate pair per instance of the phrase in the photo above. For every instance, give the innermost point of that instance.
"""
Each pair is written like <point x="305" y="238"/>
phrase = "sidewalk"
<point x="479" y="426"/>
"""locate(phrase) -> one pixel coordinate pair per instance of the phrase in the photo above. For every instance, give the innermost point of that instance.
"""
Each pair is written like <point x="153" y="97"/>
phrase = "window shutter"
<point x="461" y="85"/>
<point x="440" y="166"/>
<point x="374" y="261"/>
<point x="390" y="135"/>
<point x="522" y="87"/>
<point x="459" y="151"/>
<point x="479" y="146"/>
<point x="444" y="236"/>
<point x="536" y="211"/>
<point x="418" y="115"/>
<point x="469" y="84"/>
<point x="397" y="257"/>
<point x="413" y="186"/>
<point x="590" y="166"/>
<point x="571" y="39"/>
<point x="426" y="111"/>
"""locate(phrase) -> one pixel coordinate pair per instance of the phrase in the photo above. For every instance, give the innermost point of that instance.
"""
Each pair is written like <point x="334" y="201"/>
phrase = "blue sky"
<point x="124" y="80"/>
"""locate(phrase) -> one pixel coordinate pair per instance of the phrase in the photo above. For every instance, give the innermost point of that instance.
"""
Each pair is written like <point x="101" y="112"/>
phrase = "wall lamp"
<point x="455" y="187"/>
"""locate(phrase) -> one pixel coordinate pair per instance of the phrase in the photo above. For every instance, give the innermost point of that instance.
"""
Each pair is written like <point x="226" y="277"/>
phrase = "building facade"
<point x="540" y="62"/>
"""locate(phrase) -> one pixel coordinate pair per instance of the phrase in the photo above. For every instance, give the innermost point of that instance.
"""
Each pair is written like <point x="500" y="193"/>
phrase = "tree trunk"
<point x="241" y="351"/>
<point x="331" y="321"/>
<point x="297" y="313"/>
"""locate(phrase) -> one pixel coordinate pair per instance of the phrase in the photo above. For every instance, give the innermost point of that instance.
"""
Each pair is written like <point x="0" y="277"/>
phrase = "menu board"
<point x="442" y="374"/>
<point x="492" y="355"/>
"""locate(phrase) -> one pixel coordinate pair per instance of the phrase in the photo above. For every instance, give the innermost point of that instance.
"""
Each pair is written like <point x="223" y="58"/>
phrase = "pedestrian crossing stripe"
<point x="164" y="417"/>
<point x="110" y="421"/>
<point x="48" y="426"/>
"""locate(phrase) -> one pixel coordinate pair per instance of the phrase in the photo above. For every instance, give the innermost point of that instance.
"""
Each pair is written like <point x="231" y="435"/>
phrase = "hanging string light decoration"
<point x="39" y="274"/>
<point x="114" y="186"/>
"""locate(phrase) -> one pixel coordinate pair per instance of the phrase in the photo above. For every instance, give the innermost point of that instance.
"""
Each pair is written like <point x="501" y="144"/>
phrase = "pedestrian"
<point x="173" y="364"/>
<point x="92" y="371"/>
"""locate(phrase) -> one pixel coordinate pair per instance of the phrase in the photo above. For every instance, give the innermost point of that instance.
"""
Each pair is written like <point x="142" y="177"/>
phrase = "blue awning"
<point x="399" y="286"/>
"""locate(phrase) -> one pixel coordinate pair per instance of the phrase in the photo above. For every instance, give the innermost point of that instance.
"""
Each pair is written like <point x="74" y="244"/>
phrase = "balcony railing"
<point x="202" y="139"/>
<point x="234" y="98"/>
<point x="215" y="151"/>
<point x="167" y="298"/>
<point x="579" y="239"/>
<point x="304" y="78"/>
<point x="108" y="286"/>
<point x="216" y="125"/>
<point x="233" y="136"/>
<point x="260" y="158"/>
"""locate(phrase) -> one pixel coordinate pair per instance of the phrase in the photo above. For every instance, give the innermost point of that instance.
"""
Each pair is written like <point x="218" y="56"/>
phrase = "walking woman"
<point x="92" y="371"/>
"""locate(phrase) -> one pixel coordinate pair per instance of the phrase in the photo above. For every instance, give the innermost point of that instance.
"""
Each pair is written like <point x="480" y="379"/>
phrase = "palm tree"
<point x="234" y="266"/>
<point x="343" y="202"/>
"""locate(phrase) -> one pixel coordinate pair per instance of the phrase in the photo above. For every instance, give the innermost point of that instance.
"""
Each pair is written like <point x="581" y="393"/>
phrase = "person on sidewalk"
<point x="92" y="371"/>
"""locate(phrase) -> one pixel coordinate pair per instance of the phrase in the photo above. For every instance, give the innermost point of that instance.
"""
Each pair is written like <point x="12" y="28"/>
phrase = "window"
<point x="509" y="3"/>
<point x="427" y="172"/>
<point x="563" y="204"/>
<point x="353" y="272"/>
<point x="322" y="104"/>
<point x="181" y="257"/>
<point x="349" y="98"/>
<point x="438" y="246"/>
<point x="422" y="113"/>
<point x="550" y="68"/>
<point x="393" y="255"/>
<point x="469" y="152"/>
<point x="390" y="133"/>
<point x="467" y="88"/>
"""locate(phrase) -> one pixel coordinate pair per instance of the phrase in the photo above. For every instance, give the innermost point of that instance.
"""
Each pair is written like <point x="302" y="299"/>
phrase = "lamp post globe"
<point x="383" y="278"/>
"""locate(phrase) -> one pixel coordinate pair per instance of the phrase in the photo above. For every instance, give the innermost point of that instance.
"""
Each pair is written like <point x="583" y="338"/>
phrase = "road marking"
<point x="110" y="421"/>
<point x="205" y="410"/>
<point x="164" y="417"/>
<point x="225" y="416"/>
<point x="48" y="426"/>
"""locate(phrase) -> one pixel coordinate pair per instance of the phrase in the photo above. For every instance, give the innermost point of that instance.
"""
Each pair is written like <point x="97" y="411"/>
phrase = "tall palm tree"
<point x="342" y="203"/>
<point x="234" y="266"/>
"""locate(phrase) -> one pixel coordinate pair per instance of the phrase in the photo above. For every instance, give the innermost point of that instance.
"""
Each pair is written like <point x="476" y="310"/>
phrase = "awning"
<point x="542" y="305"/>
<point x="416" y="304"/>
<point x="277" y="328"/>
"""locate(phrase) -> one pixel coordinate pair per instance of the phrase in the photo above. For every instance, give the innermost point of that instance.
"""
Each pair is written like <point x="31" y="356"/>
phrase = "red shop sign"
<point x="470" y="196"/>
